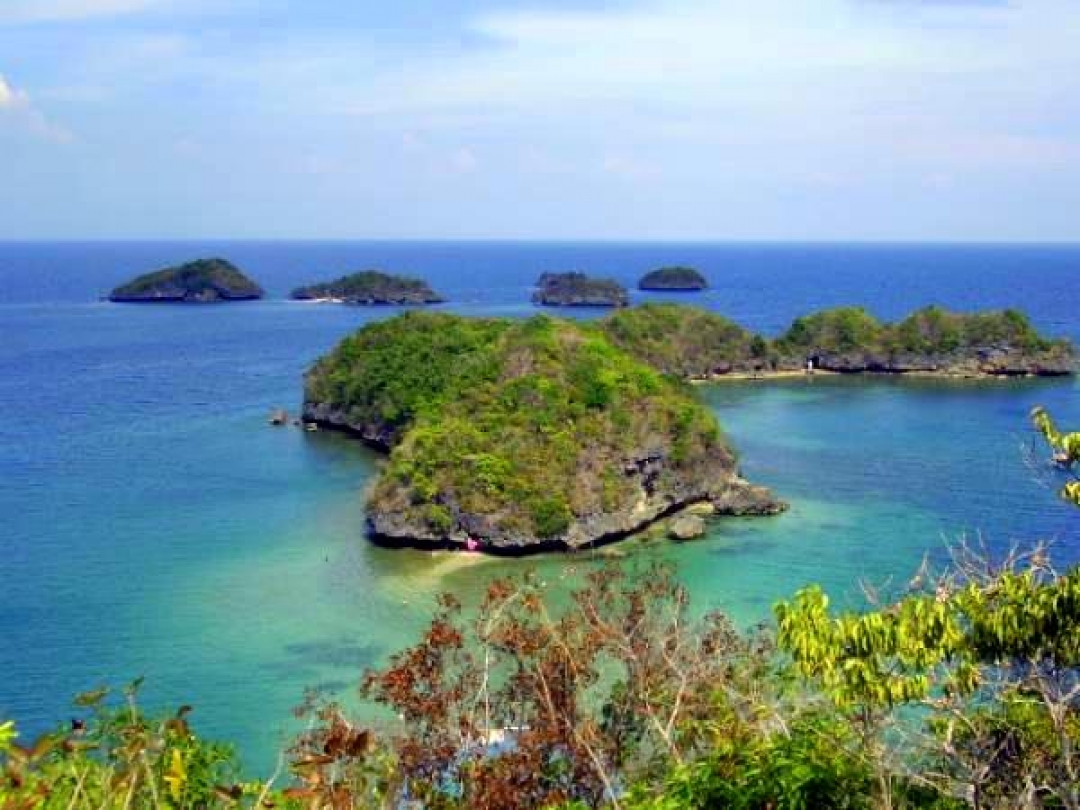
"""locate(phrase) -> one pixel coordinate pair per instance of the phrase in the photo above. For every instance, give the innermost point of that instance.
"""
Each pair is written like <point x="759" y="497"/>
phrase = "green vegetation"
<point x="523" y="432"/>
<point x="1066" y="449"/>
<point x="381" y="378"/>
<point x="685" y="342"/>
<point x="578" y="289"/>
<point x="530" y="431"/>
<point x="371" y="287"/>
<point x="693" y="343"/>
<point x="929" y="331"/>
<point x="115" y="756"/>
<point x="852" y="339"/>
<point x="199" y="281"/>
<point x="673" y="278"/>
<point x="844" y="329"/>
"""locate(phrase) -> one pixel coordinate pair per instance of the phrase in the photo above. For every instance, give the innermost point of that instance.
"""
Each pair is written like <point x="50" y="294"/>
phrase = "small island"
<point x="521" y="436"/>
<point x="578" y="290"/>
<point x="930" y="342"/>
<point x="371" y="288"/>
<point x="202" y="281"/>
<point x="673" y="279"/>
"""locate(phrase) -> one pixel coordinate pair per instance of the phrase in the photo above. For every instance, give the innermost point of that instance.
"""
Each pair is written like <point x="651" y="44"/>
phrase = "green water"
<point x="878" y="474"/>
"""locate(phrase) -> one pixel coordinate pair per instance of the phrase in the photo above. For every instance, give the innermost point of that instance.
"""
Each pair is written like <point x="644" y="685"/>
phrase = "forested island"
<point x="673" y="279"/>
<point x="201" y="281"/>
<point x="371" y="287"/>
<point x="578" y="290"/>
<point x="696" y="344"/>
<point x="521" y="436"/>
<point x="545" y="433"/>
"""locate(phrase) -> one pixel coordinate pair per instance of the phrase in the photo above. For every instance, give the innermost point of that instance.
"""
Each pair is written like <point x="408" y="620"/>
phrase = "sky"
<point x="777" y="120"/>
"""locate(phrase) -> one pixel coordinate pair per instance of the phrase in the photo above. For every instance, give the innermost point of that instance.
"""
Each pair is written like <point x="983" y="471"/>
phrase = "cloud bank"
<point x="796" y="119"/>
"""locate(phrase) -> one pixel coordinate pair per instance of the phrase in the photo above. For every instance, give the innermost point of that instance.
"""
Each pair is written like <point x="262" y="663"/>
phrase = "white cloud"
<point x="642" y="84"/>
<point x="692" y="52"/>
<point x="10" y="98"/>
<point x="16" y="107"/>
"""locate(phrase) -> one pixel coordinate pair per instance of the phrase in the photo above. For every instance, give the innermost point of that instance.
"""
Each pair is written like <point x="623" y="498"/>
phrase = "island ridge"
<point x="201" y="281"/>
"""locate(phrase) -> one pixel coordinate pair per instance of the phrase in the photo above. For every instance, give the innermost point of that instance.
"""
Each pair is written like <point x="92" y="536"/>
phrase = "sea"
<point x="152" y="524"/>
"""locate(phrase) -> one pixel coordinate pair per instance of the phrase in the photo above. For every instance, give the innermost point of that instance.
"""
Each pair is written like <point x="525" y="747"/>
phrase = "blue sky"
<point x="648" y="119"/>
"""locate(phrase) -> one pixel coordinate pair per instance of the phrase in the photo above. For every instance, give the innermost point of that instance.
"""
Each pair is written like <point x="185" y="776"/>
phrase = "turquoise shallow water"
<point x="152" y="524"/>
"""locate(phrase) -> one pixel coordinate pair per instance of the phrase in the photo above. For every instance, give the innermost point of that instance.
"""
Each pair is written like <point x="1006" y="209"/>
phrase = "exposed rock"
<point x="686" y="527"/>
<point x="578" y="290"/>
<point x="740" y="498"/>
<point x="371" y="287"/>
<point x="279" y="417"/>
<point x="373" y="431"/>
<point x="202" y="281"/>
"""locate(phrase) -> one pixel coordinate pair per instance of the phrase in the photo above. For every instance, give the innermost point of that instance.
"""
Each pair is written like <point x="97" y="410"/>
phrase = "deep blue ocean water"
<point x="151" y="523"/>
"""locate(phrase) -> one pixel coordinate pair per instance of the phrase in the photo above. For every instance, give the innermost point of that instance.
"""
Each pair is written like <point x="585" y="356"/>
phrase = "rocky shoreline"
<point x="732" y="497"/>
<point x="729" y="496"/>
<point x="957" y="374"/>
<point x="740" y="498"/>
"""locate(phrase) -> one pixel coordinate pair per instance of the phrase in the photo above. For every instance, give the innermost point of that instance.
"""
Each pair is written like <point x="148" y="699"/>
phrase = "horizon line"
<point x="547" y="240"/>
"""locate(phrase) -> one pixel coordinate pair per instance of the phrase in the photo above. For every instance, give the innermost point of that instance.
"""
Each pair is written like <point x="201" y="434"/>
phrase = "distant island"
<point x="371" y="287"/>
<point x="673" y="279"/>
<point x="696" y="344"/>
<point x="201" y="281"/>
<point x="578" y="290"/>
<point x="521" y="436"/>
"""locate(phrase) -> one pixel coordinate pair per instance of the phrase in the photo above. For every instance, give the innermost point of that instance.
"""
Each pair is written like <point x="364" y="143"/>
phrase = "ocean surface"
<point x="152" y="524"/>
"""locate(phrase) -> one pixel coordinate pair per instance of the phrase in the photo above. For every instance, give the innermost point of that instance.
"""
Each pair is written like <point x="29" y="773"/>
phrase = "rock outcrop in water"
<point x="202" y="281"/>
<point x="521" y="435"/>
<point x="578" y="290"/>
<point x="371" y="287"/>
<point x="673" y="279"/>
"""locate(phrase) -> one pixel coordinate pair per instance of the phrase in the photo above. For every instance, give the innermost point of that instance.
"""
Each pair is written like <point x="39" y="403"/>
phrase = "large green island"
<point x="521" y="436"/>
<point x="201" y="281"/>
<point x="530" y="435"/>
